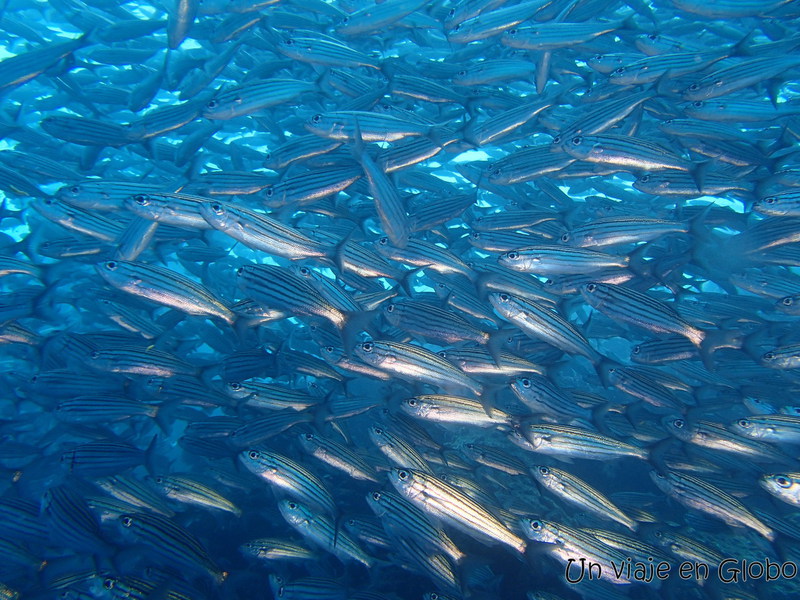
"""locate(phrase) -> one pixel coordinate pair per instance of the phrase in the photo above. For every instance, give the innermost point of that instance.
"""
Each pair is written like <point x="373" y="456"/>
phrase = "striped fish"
<point x="450" y="505"/>
<point x="163" y="286"/>
<point x="629" y="306"/>
<point x="290" y="476"/>
<point x="700" y="495"/>
<point x="320" y="530"/>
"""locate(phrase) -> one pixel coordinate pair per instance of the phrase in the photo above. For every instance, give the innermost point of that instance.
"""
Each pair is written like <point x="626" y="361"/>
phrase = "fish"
<point x="319" y="529"/>
<point x="703" y="496"/>
<point x="579" y="492"/>
<point x="163" y="286"/>
<point x="449" y="504"/>
<point x="364" y="240"/>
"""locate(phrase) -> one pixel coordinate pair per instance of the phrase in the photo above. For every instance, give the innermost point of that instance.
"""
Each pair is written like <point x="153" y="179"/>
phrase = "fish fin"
<point x="358" y="147"/>
<point x="658" y="451"/>
<point x="487" y="397"/>
<point x="335" y="253"/>
<point x="164" y="416"/>
<point x="89" y="157"/>
<point x="542" y="70"/>
<point x="717" y="339"/>
<point x="495" y="345"/>
<point x="629" y="24"/>
<point x="698" y="173"/>
<point x="149" y="456"/>
<point x="662" y="85"/>
<point x="774" y="90"/>
<point x="599" y="413"/>
<point x="404" y="281"/>
<point x="355" y="323"/>
<point x="742" y="47"/>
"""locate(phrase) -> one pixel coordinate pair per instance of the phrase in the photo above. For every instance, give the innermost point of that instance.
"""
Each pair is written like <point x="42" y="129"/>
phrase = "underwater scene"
<point x="400" y="299"/>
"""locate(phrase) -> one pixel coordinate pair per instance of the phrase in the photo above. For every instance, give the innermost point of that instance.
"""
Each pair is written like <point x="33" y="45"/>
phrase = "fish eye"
<point x="697" y="104"/>
<point x="217" y="208"/>
<point x="744" y="423"/>
<point x="345" y="20"/>
<point x="462" y="73"/>
<point x="75" y="189"/>
<point x="557" y="139"/>
<point x="456" y="28"/>
<point x="367" y="346"/>
<point x="390" y="308"/>
<point x="512" y="32"/>
<point x="240" y="270"/>
<point x="252" y="454"/>
<point x="770" y="200"/>
<point x="378" y="431"/>
<point x="268" y="191"/>
<point x="512" y="255"/>
<point x="212" y="104"/>
<point x="526" y="383"/>
<point x="292" y="505"/>
<point x="376" y="496"/>
<point x="402" y="475"/>
<point x="788" y="301"/>
<point x="644" y="178"/>
<point x="694" y="87"/>
<point x="636" y="349"/>
<point x="159" y="480"/>
<point x="591" y="287"/>
<point x="536" y="525"/>
<point x="305" y="271"/>
<point x="108" y="584"/>
<point x="235" y="386"/>
<point x="577" y="140"/>
<point x="383" y="241"/>
<point x="412" y="402"/>
<point x="316" y="118"/>
<point x="678" y="423"/>
<point x="451" y="12"/>
<point x="782" y="481"/>
<point x="95" y="354"/>
<point x="442" y="353"/>
<point x="328" y="349"/>
<point x="769" y="356"/>
<point x="505" y="297"/>
<point x="544" y="470"/>
<point x="289" y="42"/>
<point x="111" y="265"/>
<point x="141" y="200"/>
<point x="619" y="70"/>
<point x="652" y="36"/>
<point x="309" y="436"/>
<point x="127" y="521"/>
<point x="565" y="237"/>
<point x="495" y="172"/>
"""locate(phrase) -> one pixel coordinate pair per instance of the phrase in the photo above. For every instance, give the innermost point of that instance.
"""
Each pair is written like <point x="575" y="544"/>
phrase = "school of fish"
<point x="400" y="299"/>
